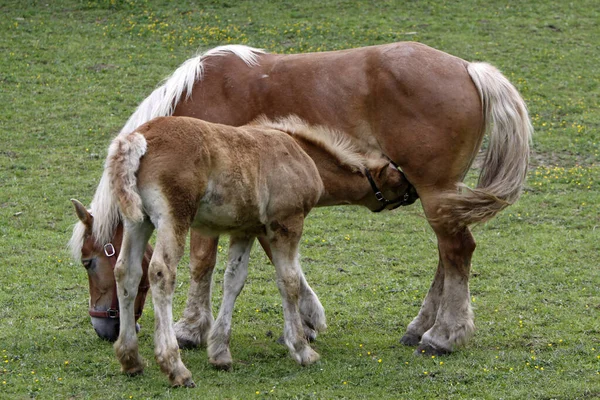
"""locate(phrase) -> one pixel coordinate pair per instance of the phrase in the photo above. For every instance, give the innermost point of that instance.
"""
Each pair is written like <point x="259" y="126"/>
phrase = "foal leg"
<point x="233" y="282"/>
<point x="311" y="309"/>
<point x="193" y="328"/>
<point x="284" y="237"/>
<point x="162" y="273"/>
<point x="128" y="273"/>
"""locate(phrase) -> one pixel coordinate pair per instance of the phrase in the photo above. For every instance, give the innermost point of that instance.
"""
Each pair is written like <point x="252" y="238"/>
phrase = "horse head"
<point x="99" y="261"/>
<point x="390" y="186"/>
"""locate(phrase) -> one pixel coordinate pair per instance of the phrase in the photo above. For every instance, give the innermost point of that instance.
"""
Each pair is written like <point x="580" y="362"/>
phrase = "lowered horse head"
<point x="99" y="260"/>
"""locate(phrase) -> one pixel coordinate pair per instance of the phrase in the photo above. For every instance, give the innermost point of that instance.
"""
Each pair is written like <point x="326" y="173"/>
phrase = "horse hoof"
<point x="221" y="365"/>
<point x="189" y="383"/>
<point x="186" y="382"/>
<point x="134" y="371"/>
<point x="309" y="357"/>
<point x="426" y="349"/>
<point x="186" y="344"/>
<point x="410" y="339"/>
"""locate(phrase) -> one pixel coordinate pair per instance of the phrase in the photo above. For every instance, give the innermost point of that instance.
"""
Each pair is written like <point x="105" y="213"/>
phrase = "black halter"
<point x="403" y="200"/>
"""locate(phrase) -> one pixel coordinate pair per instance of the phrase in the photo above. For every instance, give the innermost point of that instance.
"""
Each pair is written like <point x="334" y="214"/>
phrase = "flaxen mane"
<point x="340" y="146"/>
<point x="160" y="103"/>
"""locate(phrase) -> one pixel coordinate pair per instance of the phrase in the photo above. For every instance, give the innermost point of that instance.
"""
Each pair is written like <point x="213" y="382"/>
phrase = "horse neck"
<point x="342" y="184"/>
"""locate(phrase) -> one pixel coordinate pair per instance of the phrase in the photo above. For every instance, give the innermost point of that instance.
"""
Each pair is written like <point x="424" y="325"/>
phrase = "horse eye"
<point x="87" y="263"/>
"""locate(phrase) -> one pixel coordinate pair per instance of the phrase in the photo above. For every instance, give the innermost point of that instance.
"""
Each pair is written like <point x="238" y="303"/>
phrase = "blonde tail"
<point x="505" y="166"/>
<point x="122" y="163"/>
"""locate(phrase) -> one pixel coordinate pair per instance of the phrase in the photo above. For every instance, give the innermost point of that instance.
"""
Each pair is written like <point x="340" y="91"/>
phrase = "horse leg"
<point x="311" y="309"/>
<point x="128" y="273"/>
<point x="162" y="274"/>
<point x="193" y="328"/>
<point x="233" y="282"/>
<point x="284" y="237"/>
<point x="426" y="317"/>
<point x="454" y="318"/>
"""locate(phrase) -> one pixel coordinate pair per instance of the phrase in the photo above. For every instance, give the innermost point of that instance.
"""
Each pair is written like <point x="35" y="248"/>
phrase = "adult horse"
<point x="426" y="110"/>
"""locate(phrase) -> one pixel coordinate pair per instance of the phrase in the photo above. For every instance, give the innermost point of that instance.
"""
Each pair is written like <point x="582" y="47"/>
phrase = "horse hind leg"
<point x="233" y="283"/>
<point x="453" y="324"/>
<point x="311" y="311"/>
<point x="427" y="314"/>
<point x="193" y="328"/>
<point x="284" y="237"/>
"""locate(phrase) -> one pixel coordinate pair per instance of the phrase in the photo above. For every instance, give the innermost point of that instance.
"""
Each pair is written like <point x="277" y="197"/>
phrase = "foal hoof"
<point x="133" y="371"/>
<point x="410" y="339"/>
<point x="186" y="344"/>
<point x="221" y="365"/>
<point x="426" y="349"/>
<point x="187" y="382"/>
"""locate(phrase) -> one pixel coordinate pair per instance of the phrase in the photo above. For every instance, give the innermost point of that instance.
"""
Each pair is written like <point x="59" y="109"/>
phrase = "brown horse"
<point x="175" y="174"/>
<point x="425" y="109"/>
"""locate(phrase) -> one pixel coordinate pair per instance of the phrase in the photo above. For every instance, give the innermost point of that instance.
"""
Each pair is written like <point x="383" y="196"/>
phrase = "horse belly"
<point x="231" y="206"/>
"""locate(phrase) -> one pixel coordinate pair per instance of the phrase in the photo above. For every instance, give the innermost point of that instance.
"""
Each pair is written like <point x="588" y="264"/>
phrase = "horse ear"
<point x="82" y="213"/>
<point x="393" y="177"/>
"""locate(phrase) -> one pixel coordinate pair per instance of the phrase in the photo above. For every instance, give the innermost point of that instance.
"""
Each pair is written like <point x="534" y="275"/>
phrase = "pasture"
<point x="73" y="71"/>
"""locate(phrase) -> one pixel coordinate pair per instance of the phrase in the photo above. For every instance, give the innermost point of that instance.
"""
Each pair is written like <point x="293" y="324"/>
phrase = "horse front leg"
<point x="235" y="277"/>
<point x="284" y="237"/>
<point x="162" y="274"/>
<point x="194" y="326"/>
<point x="128" y="273"/>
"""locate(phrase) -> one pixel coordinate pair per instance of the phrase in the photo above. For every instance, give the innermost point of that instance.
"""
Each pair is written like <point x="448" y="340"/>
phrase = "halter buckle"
<point x="112" y="313"/>
<point x="109" y="250"/>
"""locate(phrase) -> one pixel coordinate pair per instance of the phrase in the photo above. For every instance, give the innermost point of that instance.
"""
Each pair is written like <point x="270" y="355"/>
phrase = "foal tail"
<point x="122" y="164"/>
<point x="116" y="194"/>
<point x="505" y="166"/>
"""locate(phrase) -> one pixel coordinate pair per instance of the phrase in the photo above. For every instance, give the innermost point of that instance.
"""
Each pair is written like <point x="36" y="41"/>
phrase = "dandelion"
<point x="379" y="361"/>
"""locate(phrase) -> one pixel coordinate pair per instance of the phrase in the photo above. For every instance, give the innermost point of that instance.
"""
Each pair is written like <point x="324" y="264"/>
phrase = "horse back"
<point x="416" y="104"/>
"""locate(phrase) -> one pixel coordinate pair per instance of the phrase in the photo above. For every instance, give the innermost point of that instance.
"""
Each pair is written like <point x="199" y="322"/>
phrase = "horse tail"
<point x="164" y="99"/>
<point x="117" y="191"/>
<point x="505" y="165"/>
<point x="122" y="164"/>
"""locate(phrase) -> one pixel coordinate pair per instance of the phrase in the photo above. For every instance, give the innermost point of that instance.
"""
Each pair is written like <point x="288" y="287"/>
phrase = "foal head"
<point x="99" y="261"/>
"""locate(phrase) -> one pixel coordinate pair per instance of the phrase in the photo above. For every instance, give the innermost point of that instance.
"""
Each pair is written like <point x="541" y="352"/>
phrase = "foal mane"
<point x="340" y="146"/>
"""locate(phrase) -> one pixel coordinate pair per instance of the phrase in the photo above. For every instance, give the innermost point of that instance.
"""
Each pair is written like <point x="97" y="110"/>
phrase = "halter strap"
<point x="400" y="201"/>
<point x="113" y="311"/>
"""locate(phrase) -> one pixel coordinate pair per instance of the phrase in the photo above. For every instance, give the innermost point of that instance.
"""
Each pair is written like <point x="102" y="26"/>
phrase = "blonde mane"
<point x="340" y="146"/>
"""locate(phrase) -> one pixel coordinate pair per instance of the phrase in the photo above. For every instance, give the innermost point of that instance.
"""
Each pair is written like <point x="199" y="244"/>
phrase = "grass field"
<point x="72" y="72"/>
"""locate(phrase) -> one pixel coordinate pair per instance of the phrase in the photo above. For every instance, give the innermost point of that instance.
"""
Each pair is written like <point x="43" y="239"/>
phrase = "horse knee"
<point x="161" y="276"/>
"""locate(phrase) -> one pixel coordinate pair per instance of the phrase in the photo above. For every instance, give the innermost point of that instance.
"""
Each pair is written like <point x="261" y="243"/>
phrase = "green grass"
<point x="71" y="73"/>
